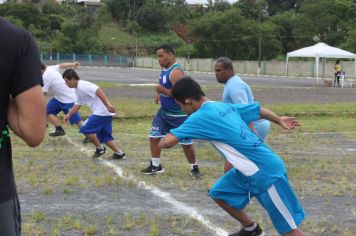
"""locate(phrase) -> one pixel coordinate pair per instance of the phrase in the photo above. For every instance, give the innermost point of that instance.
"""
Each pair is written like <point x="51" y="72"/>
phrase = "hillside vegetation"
<point x="220" y="28"/>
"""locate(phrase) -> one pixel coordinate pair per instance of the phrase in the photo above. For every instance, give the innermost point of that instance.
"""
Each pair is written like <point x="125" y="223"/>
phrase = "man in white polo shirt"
<point x="64" y="96"/>
<point x="98" y="127"/>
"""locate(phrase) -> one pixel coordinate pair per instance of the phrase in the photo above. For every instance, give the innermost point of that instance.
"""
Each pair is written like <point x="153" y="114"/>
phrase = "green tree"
<point x="350" y="42"/>
<point x="231" y="34"/>
<point x="121" y="10"/>
<point x="152" y="16"/>
<point x="27" y="13"/>
<point x="15" y="21"/>
<point x="285" y="24"/>
<point x="281" y="6"/>
<point x="326" y="20"/>
<point x="51" y="7"/>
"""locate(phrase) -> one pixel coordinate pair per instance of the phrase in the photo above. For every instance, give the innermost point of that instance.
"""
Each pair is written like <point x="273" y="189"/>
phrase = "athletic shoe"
<point x="99" y="152"/>
<point x="85" y="140"/>
<point x="117" y="156"/>
<point x="243" y="232"/>
<point x="151" y="169"/>
<point x="195" y="173"/>
<point x="58" y="132"/>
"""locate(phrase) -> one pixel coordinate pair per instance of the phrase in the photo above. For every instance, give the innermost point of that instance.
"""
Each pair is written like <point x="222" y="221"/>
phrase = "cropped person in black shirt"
<point x="22" y="109"/>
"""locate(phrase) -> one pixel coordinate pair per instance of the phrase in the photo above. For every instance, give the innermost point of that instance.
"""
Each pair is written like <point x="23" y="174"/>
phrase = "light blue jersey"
<point x="238" y="92"/>
<point x="226" y="126"/>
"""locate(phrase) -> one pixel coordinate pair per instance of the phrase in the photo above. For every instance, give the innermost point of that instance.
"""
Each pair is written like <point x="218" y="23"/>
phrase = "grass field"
<point x="64" y="192"/>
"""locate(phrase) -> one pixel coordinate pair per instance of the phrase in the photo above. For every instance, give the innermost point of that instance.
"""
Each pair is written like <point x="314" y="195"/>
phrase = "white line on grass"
<point x="165" y="196"/>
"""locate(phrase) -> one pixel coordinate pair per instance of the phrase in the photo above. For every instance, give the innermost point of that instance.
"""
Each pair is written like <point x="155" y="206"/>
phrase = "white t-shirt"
<point x="54" y="84"/>
<point x="85" y="93"/>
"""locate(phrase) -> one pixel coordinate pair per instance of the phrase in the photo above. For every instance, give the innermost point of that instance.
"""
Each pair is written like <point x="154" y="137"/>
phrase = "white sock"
<point x="250" y="228"/>
<point x="120" y="152"/>
<point x="156" y="161"/>
<point x="192" y="165"/>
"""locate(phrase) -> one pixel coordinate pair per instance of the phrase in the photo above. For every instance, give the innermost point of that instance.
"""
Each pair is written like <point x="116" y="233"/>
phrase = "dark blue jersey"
<point x="167" y="103"/>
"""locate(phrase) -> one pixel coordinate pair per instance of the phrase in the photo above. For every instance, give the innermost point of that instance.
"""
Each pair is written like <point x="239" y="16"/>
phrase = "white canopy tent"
<point x="318" y="51"/>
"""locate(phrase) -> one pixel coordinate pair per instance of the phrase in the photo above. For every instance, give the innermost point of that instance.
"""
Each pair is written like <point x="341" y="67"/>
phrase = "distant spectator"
<point x="337" y="72"/>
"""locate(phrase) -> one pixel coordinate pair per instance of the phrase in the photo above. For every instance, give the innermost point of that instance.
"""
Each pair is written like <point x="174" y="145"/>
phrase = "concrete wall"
<point x="277" y="68"/>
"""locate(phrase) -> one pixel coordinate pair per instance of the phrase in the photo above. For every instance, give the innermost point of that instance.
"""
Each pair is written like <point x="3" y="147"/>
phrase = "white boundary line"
<point x="165" y="196"/>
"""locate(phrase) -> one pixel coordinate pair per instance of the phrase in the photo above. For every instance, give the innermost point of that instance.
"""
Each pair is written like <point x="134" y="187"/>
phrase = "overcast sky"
<point x="205" y="1"/>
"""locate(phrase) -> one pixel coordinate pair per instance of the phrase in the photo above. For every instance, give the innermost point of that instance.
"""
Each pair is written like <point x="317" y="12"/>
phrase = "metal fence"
<point x="88" y="59"/>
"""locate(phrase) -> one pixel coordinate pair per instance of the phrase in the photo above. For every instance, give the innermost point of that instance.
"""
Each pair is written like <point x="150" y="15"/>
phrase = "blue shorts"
<point x="99" y="125"/>
<point x="162" y="123"/>
<point x="54" y="107"/>
<point x="279" y="200"/>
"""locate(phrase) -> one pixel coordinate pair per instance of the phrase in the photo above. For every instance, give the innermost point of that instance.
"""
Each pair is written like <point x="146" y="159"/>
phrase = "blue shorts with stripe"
<point x="99" y="125"/>
<point x="163" y="122"/>
<point x="279" y="200"/>
<point x="54" y="107"/>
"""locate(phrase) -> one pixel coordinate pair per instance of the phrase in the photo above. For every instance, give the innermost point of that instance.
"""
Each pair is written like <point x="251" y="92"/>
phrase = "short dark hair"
<point x="185" y="88"/>
<point x="166" y="48"/>
<point x="43" y="67"/>
<point x="69" y="74"/>
<point x="225" y="62"/>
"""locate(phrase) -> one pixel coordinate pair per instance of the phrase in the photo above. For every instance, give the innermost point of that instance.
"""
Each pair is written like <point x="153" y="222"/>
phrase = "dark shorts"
<point x="162" y="123"/>
<point x="54" y="107"/>
<point x="10" y="217"/>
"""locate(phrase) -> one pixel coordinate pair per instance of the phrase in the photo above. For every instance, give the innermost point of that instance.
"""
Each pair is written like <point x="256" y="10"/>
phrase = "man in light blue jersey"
<point x="257" y="171"/>
<point x="238" y="92"/>
<point x="169" y="115"/>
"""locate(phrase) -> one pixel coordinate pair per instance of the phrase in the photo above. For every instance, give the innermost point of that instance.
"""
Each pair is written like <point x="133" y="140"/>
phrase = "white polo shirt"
<point x="86" y="93"/>
<point x="54" y="84"/>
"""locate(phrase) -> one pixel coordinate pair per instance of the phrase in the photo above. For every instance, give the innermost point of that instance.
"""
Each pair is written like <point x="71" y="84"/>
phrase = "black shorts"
<point x="10" y="217"/>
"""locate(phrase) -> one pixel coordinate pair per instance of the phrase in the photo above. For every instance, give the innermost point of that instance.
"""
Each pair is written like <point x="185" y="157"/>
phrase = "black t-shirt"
<point x="20" y="70"/>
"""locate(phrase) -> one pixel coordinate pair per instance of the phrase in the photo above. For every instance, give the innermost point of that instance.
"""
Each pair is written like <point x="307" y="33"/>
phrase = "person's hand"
<point x="66" y="118"/>
<point x="76" y="64"/>
<point x="157" y="99"/>
<point x="160" y="89"/>
<point x="287" y="122"/>
<point x="111" y="108"/>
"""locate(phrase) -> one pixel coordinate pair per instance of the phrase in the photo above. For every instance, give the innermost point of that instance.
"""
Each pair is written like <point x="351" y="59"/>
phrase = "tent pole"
<point x="317" y="70"/>
<point x="355" y="66"/>
<point x="287" y="67"/>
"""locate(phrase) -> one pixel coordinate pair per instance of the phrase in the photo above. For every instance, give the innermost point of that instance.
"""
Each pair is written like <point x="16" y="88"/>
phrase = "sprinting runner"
<point x="169" y="115"/>
<point x="63" y="99"/>
<point x="258" y="171"/>
<point x="98" y="127"/>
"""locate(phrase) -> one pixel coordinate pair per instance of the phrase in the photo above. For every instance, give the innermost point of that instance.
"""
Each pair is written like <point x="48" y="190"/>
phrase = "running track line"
<point x="165" y="196"/>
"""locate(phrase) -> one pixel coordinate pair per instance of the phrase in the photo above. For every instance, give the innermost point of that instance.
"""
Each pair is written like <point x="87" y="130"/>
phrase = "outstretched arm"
<point x="27" y="116"/>
<point x="100" y="93"/>
<point x="67" y="65"/>
<point x="285" y="122"/>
